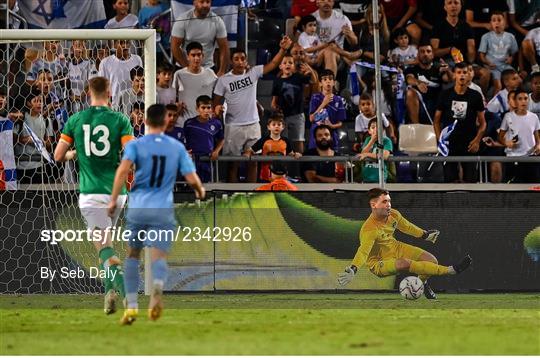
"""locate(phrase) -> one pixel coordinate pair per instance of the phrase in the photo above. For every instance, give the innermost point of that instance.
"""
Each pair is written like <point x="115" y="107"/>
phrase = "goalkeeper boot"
<point x="130" y="315"/>
<point x="463" y="265"/>
<point x="110" y="302"/>
<point x="155" y="308"/>
<point x="428" y="292"/>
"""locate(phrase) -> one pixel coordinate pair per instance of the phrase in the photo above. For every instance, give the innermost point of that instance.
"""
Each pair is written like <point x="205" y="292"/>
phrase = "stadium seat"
<point x="417" y="139"/>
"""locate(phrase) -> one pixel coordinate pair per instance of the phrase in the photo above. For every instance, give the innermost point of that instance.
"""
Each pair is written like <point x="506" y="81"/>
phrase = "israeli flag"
<point x="353" y="76"/>
<point x="444" y="139"/>
<point x="8" y="170"/>
<point x="227" y="9"/>
<point x="38" y="143"/>
<point x="63" y="14"/>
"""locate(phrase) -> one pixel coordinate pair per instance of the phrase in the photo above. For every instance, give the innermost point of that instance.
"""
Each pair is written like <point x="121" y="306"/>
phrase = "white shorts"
<point x="239" y="138"/>
<point x="94" y="210"/>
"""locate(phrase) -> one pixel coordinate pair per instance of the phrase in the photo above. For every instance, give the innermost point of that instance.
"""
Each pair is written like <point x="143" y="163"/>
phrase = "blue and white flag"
<point x="353" y="74"/>
<point x="8" y="170"/>
<point x="227" y="9"/>
<point x="444" y="139"/>
<point x="63" y="14"/>
<point x="38" y="143"/>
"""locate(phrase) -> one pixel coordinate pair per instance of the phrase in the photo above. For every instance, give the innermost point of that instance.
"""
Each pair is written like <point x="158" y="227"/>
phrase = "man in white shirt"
<point x="203" y="26"/>
<point x="333" y="26"/>
<point x="116" y="69"/>
<point x="191" y="82"/>
<point x="238" y="88"/>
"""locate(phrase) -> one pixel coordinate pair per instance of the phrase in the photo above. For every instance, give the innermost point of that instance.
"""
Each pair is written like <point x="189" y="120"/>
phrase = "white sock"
<point x="451" y="270"/>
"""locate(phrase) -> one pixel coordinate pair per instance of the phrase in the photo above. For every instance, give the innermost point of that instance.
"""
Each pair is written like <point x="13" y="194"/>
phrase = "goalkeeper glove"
<point x="347" y="276"/>
<point x="431" y="235"/>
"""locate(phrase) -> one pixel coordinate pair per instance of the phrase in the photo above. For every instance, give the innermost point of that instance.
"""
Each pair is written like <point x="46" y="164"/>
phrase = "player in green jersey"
<point x="97" y="135"/>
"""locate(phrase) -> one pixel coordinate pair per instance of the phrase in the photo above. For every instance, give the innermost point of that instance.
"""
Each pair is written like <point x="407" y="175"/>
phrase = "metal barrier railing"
<point x="349" y="160"/>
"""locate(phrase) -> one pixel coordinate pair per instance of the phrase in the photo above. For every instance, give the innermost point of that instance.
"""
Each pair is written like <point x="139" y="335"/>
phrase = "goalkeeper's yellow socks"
<point x="427" y="268"/>
<point x="131" y="268"/>
<point x="111" y="262"/>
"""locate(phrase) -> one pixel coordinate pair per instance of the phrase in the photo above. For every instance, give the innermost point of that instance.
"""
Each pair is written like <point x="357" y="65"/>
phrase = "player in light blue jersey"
<point x="150" y="216"/>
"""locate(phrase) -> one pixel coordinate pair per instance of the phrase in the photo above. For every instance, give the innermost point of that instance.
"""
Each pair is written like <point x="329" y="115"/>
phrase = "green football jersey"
<point x="97" y="133"/>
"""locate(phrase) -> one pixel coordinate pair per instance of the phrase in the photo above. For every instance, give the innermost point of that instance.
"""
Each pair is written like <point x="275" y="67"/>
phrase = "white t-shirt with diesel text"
<point x="240" y="93"/>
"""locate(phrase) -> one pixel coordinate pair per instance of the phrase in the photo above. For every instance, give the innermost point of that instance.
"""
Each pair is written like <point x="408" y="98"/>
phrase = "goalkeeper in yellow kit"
<point x="385" y="256"/>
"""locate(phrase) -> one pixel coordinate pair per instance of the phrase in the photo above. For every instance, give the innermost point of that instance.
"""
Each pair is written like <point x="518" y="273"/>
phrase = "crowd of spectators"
<point x="468" y="68"/>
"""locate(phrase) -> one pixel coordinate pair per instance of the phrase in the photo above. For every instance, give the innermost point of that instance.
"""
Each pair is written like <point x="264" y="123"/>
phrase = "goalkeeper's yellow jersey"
<point x="377" y="239"/>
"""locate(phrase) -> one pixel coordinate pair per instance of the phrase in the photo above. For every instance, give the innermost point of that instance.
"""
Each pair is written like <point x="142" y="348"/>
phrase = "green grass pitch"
<point x="280" y="323"/>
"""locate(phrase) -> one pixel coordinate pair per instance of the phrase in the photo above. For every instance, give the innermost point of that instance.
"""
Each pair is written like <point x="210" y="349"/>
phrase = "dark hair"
<point x="507" y="73"/>
<point x="234" y="51"/>
<point x="320" y="127"/>
<point x="171" y="107"/>
<point x="400" y="31"/>
<point x="275" y="117"/>
<point x="461" y="65"/>
<point x="365" y="97"/>
<point x="137" y="105"/>
<point x="326" y="73"/>
<point x="371" y="121"/>
<point x="496" y="12"/>
<point x="374" y="193"/>
<point x="535" y="75"/>
<point x="306" y="20"/>
<point x="194" y="46"/>
<point x="136" y="71"/>
<point x="520" y="90"/>
<point x="164" y="67"/>
<point x="204" y="99"/>
<point x="278" y="167"/>
<point x="155" y="115"/>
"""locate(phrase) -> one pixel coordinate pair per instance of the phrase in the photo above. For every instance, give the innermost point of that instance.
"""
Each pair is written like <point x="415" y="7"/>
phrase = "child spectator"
<point x="271" y="144"/>
<point x="520" y="134"/>
<point x="53" y="107"/>
<point x="499" y="103"/>
<point x="27" y="151"/>
<point x="117" y="69"/>
<point x="287" y="97"/>
<point x="534" y="97"/>
<point x="405" y="54"/>
<point x="165" y="94"/>
<point x="123" y="19"/>
<point x="150" y="11"/>
<point x="370" y="171"/>
<point x="52" y="61"/>
<point x="192" y="81"/>
<point x="133" y="94"/>
<point x="239" y="90"/>
<point x="310" y="41"/>
<point x="204" y="137"/>
<point x="278" y="179"/>
<point x="81" y="69"/>
<point x="172" y="129"/>
<point x="326" y="108"/>
<point x="136" y="115"/>
<point x="366" y="106"/>
<point x="498" y="48"/>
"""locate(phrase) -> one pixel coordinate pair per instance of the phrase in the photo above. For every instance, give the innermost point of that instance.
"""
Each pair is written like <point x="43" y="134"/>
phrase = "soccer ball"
<point x="411" y="287"/>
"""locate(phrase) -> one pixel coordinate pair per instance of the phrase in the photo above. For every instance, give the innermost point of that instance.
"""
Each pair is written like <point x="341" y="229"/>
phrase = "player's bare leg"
<point x="428" y="291"/>
<point x="159" y="274"/>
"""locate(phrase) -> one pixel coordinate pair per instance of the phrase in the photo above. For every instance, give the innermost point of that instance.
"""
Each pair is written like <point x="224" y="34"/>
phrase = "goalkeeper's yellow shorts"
<point x="386" y="266"/>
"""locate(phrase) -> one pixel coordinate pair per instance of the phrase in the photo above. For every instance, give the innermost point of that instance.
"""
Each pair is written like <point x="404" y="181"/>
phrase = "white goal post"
<point x="146" y="37"/>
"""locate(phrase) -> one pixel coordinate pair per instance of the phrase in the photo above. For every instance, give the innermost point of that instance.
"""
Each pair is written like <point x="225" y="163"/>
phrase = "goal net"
<point x="43" y="80"/>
